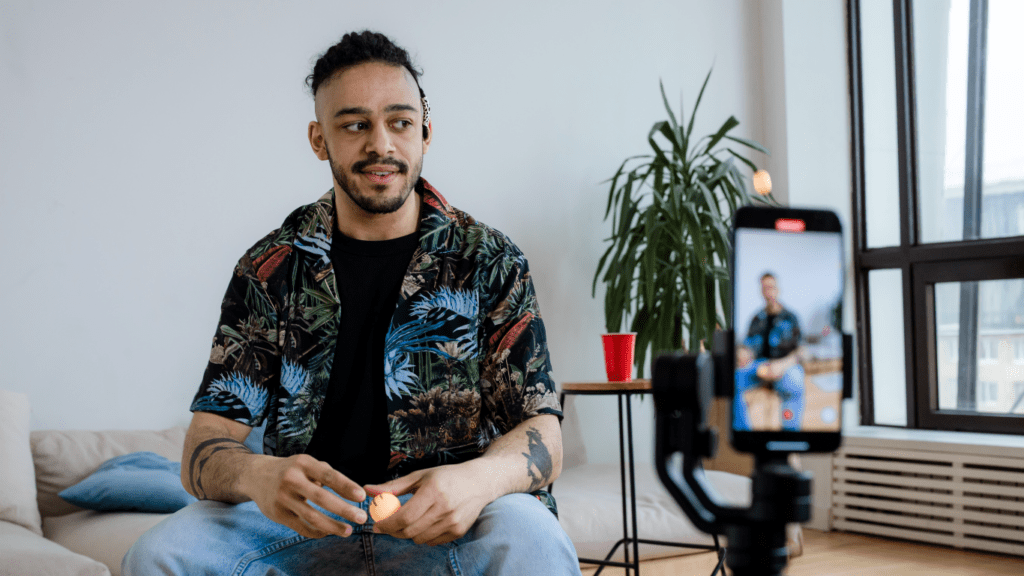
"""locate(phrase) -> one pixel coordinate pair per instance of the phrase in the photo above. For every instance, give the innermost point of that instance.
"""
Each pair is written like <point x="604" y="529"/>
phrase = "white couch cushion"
<point x="105" y="536"/>
<point x="590" y="509"/>
<point x="64" y="458"/>
<point x="17" y="475"/>
<point x="24" y="553"/>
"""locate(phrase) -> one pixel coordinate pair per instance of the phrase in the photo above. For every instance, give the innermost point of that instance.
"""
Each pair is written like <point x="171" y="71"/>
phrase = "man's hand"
<point x="216" y="465"/>
<point x="284" y="487"/>
<point x="776" y="369"/>
<point x="446" y="503"/>
<point x="447" y="500"/>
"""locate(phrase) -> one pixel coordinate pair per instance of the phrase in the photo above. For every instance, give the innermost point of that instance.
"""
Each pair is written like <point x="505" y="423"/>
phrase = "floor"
<point x="842" y="554"/>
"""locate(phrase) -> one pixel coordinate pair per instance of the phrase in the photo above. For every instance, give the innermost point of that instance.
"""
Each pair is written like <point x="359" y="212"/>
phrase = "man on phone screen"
<point x="774" y="334"/>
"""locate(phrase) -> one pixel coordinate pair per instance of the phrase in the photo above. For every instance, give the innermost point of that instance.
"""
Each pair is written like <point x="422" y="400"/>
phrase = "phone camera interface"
<point x="788" y="327"/>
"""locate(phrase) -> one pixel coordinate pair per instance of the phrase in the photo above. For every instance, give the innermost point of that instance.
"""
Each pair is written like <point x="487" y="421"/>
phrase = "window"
<point x="938" y="230"/>
<point x="988" y="392"/>
<point x="988" y="349"/>
<point x="950" y="351"/>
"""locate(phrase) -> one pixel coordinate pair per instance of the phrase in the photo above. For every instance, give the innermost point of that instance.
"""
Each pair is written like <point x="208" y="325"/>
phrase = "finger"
<point x="332" y="503"/>
<point x="429" y="528"/>
<point x="298" y="488"/>
<point x="398" y="524"/>
<point x="398" y="486"/>
<point x="318" y="521"/>
<point x="286" y="517"/>
<point x="444" y="539"/>
<point x="302" y="528"/>
<point x="322" y="473"/>
<point x="415" y="527"/>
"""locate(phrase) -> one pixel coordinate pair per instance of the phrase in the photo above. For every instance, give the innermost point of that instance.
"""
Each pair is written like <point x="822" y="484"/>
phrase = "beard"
<point x="376" y="203"/>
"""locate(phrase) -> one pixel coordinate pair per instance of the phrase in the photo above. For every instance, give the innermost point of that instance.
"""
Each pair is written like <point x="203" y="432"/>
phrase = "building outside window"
<point x="988" y="349"/>
<point x="1018" y="398"/>
<point x="1018" y="349"/>
<point x="988" y="393"/>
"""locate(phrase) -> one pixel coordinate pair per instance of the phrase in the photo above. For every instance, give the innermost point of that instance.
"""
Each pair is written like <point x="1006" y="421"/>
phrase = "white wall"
<point x="144" y="146"/>
<point x="818" y="158"/>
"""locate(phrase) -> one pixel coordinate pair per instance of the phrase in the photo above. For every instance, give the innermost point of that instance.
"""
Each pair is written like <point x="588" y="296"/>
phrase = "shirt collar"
<point x="318" y="226"/>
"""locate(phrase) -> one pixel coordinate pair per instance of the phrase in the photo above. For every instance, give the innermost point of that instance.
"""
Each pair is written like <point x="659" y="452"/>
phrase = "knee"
<point x="144" y="557"/>
<point x="792" y="382"/>
<point x="525" y="525"/>
<point x="163" y="549"/>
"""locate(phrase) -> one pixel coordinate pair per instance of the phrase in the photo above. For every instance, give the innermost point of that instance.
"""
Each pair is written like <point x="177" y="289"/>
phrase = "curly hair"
<point x="357" y="48"/>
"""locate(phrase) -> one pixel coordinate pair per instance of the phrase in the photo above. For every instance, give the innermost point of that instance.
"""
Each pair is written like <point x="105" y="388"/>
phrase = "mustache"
<point x="403" y="168"/>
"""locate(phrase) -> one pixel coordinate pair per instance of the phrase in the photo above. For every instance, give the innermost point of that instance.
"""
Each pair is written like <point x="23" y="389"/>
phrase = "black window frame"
<point x="924" y="264"/>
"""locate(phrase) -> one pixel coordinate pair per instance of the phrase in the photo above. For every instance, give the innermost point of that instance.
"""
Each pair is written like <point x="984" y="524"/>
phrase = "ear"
<point x="316" y="140"/>
<point x="428" y="135"/>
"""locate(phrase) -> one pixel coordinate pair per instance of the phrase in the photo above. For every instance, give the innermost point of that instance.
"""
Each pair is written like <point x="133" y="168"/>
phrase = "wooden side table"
<point x="624" y="392"/>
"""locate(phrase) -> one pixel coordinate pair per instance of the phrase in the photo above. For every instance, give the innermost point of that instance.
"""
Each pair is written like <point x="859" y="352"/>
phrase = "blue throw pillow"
<point x="140" y="481"/>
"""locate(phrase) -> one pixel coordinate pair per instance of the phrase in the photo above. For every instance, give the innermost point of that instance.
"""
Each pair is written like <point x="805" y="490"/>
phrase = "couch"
<point x="41" y="534"/>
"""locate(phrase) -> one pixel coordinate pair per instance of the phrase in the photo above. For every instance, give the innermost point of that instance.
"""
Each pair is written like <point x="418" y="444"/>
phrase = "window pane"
<point x="888" y="357"/>
<point x="940" y="68"/>
<point x="1002" y="211"/>
<point x="947" y="349"/>
<point x="941" y="33"/>
<point x="878" y="84"/>
<point x="998" y="346"/>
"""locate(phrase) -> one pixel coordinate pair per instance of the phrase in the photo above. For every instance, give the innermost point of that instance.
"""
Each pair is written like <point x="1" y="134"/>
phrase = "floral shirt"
<point x="465" y="356"/>
<point x="783" y="334"/>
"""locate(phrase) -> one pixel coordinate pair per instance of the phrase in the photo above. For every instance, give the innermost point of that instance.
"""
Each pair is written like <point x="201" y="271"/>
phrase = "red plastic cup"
<point x="618" y="355"/>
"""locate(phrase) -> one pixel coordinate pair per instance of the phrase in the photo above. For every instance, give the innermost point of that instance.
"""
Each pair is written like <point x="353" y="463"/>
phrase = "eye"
<point x="355" y="126"/>
<point x="403" y="124"/>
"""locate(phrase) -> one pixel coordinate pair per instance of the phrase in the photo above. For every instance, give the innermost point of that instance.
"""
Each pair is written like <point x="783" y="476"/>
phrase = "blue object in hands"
<point x="136" y="482"/>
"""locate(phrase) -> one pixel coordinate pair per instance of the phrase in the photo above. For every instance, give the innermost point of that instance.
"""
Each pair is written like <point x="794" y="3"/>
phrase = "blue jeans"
<point x="790" y="389"/>
<point x="514" y="535"/>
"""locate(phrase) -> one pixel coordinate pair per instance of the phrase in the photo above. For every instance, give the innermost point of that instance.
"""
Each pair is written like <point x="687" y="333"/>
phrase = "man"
<point x="389" y="343"/>
<point x="774" y="334"/>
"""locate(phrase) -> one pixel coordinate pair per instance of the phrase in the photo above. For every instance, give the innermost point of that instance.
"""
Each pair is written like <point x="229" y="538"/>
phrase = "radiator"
<point x="950" y="498"/>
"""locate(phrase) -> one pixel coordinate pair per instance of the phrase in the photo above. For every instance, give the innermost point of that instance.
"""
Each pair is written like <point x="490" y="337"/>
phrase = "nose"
<point x="379" y="141"/>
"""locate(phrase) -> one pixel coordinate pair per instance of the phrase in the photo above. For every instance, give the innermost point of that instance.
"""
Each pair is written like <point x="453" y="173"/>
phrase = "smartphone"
<point x="787" y="298"/>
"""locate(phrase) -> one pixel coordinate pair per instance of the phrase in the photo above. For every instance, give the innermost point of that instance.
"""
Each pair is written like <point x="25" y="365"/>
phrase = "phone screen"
<point x="787" y="317"/>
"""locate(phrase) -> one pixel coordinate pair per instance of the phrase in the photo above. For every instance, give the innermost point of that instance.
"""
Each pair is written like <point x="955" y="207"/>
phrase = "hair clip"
<point x="426" y="110"/>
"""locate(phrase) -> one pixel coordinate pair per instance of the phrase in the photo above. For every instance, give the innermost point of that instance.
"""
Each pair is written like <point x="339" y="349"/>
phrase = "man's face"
<point x="769" y="290"/>
<point x="369" y="127"/>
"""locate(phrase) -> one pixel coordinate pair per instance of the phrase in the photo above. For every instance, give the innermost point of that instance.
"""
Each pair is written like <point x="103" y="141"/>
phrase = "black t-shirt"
<point x="352" y="434"/>
<point x="766" y="348"/>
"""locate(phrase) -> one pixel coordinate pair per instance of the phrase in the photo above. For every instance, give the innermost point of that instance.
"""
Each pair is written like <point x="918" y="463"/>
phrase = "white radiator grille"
<point x="952" y="499"/>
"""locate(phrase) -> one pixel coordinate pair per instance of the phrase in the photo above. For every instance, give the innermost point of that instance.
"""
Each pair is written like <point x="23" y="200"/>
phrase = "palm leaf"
<point x="731" y="123"/>
<point x="749" y="144"/>
<point x="689" y="127"/>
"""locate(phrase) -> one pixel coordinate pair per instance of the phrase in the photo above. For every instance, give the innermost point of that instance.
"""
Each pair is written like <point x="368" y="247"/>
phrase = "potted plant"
<point x="669" y="253"/>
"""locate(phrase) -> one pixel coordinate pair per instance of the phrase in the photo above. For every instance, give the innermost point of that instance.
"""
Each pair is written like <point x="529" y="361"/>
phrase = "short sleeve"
<point x="517" y="366"/>
<point x="244" y="363"/>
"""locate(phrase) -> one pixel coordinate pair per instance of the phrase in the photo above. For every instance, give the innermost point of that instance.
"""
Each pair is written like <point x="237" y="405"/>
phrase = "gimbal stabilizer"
<point x="684" y="386"/>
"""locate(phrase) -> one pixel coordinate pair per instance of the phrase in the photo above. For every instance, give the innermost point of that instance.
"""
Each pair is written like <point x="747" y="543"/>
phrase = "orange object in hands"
<point x="383" y="505"/>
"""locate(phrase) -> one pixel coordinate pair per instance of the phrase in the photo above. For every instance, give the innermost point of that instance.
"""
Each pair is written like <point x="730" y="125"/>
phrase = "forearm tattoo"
<point x="537" y="458"/>
<point x="202" y="454"/>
